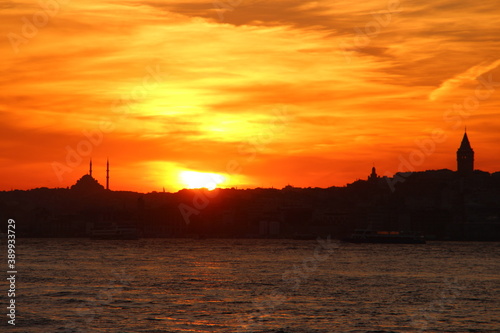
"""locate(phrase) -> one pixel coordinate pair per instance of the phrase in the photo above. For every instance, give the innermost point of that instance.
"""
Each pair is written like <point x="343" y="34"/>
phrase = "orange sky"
<point x="264" y="93"/>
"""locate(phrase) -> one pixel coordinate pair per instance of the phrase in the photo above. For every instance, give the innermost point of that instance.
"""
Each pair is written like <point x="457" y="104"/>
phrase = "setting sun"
<point x="193" y="179"/>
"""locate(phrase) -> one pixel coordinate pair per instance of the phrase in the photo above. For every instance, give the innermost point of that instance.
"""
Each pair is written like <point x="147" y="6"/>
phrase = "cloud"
<point x="469" y="75"/>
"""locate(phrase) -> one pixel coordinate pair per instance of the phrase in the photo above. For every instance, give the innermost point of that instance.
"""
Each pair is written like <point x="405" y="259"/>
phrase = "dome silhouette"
<point x="87" y="184"/>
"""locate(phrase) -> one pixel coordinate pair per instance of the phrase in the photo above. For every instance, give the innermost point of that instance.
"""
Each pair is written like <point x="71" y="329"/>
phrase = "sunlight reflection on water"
<point x="184" y="285"/>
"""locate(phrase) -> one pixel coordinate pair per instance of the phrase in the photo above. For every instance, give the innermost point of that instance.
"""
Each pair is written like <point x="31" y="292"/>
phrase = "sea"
<point x="252" y="285"/>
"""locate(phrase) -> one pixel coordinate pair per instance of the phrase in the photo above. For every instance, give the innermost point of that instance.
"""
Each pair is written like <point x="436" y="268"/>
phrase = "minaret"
<point x="465" y="157"/>
<point x="373" y="176"/>
<point x="107" y="174"/>
<point x="90" y="171"/>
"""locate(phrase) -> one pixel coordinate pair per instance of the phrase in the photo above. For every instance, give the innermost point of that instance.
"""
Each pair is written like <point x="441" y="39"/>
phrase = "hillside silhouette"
<point x="440" y="204"/>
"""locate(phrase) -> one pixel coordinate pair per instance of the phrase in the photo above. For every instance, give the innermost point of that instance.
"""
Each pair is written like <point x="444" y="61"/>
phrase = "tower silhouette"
<point x="465" y="157"/>
<point x="373" y="176"/>
<point x="90" y="171"/>
<point x="107" y="174"/>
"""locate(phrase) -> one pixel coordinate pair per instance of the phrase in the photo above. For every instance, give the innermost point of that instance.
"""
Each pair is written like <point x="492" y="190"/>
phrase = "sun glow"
<point x="194" y="179"/>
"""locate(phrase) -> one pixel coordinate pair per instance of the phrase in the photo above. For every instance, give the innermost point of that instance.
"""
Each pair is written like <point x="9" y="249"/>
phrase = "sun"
<point x="194" y="179"/>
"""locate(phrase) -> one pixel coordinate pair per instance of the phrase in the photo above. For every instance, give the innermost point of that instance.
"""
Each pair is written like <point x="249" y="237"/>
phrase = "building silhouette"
<point x="373" y="177"/>
<point x="107" y="174"/>
<point x="465" y="157"/>
<point x="87" y="183"/>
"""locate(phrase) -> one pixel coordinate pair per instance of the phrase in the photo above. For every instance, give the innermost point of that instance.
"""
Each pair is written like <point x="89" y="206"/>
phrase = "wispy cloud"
<point x="469" y="75"/>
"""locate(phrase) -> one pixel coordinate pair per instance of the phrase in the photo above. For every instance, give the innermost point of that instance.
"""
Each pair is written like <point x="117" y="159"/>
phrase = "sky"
<point x="244" y="93"/>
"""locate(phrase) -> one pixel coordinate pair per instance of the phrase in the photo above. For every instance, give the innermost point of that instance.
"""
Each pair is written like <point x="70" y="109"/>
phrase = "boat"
<point x="385" y="237"/>
<point x="115" y="232"/>
<point x="304" y="237"/>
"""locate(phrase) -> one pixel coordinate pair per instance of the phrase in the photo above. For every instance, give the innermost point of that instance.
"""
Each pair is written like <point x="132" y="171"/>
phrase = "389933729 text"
<point x="11" y="271"/>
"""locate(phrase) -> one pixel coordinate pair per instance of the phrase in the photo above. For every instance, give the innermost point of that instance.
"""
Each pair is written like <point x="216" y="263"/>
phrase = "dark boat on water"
<point x="114" y="231"/>
<point x="385" y="237"/>
<point x="304" y="237"/>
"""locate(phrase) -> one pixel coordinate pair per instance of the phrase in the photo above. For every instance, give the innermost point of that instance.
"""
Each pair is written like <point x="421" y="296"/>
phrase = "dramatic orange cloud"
<point x="262" y="93"/>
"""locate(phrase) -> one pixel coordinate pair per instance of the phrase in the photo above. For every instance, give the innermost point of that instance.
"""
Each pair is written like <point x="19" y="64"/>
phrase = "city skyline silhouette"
<point x="464" y="167"/>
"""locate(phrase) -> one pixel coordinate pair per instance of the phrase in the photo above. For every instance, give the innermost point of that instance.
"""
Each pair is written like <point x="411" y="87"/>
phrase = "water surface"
<point x="185" y="285"/>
